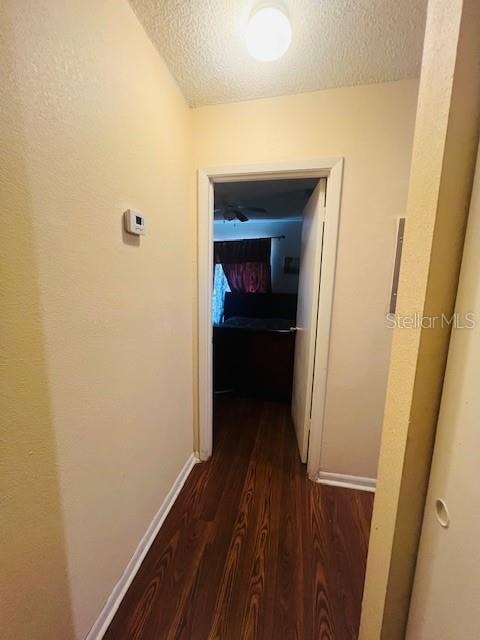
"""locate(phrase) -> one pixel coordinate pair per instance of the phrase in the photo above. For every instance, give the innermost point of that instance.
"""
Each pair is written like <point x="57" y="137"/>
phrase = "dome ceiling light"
<point x="269" y="33"/>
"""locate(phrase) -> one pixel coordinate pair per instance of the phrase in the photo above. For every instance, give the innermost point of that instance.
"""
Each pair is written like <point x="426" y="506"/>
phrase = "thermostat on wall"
<point x="134" y="222"/>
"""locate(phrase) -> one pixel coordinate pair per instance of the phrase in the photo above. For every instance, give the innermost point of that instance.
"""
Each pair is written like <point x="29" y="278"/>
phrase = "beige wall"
<point x="444" y="152"/>
<point x="96" y="330"/>
<point x="372" y="127"/>
<point x="446" y="589"/>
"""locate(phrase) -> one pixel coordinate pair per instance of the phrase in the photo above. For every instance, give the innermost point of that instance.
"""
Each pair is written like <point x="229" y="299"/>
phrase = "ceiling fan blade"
<point x="241" y="216"/>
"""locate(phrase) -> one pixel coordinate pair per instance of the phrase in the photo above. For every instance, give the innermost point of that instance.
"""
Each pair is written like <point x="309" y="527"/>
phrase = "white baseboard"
<point x="347" y="482"/>
<point x="106" y="616"/>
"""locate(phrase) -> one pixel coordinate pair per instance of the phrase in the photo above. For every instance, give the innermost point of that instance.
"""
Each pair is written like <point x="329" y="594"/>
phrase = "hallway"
<point x="252" y="548"/>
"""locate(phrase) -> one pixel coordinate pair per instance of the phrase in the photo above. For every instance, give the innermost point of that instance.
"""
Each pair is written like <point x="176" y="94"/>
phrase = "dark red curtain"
<point x="248" y="277"/>
<point x="246" y="264"/>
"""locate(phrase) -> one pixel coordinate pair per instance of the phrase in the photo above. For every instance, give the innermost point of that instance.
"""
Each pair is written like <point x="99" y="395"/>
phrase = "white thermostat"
<point x="134" y="222"/>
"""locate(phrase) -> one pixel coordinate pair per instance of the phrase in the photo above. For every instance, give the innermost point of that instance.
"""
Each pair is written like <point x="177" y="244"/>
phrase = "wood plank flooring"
<point x="252" y="549"/>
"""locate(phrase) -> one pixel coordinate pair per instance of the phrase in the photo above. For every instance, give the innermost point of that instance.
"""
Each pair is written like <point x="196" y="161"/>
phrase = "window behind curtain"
<point x="220" y="286"/>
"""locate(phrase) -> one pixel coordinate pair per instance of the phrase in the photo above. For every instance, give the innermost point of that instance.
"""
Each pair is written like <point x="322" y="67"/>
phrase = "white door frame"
<point x="330" y="168"/>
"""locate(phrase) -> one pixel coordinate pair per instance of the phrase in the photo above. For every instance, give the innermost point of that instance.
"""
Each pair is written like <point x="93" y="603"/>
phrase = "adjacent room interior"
<point x="257" y="245"/>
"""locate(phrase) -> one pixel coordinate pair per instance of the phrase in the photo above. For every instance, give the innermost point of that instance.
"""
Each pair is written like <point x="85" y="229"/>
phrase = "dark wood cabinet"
<point x="257" y="362"/>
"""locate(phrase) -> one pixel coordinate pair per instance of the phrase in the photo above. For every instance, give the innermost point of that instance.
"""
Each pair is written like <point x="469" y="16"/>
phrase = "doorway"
<point x="315" y="381"/>
<point x="257" y="244"/>
<point x="264" y="306"/>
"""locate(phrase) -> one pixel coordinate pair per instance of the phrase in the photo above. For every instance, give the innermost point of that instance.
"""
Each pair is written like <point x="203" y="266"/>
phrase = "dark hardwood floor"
<point x="252" y="548"/>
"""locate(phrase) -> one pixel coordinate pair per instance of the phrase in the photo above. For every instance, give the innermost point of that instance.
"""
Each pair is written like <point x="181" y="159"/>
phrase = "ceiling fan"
<point x="231" y="211"/>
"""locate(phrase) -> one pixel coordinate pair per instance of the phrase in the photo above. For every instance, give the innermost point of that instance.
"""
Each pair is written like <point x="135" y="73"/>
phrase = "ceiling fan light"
<point x="269" y="33"/>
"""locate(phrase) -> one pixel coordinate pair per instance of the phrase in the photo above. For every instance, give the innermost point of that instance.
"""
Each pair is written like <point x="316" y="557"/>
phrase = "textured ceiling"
<point x="335" y="43"/>
<point x="281" y="198"/>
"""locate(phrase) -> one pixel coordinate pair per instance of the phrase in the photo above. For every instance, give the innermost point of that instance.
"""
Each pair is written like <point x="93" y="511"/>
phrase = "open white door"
<point x="307" y="312"/>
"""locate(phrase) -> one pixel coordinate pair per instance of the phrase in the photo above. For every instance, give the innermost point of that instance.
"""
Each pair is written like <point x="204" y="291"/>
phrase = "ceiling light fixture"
<point x="269" y="33"/>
